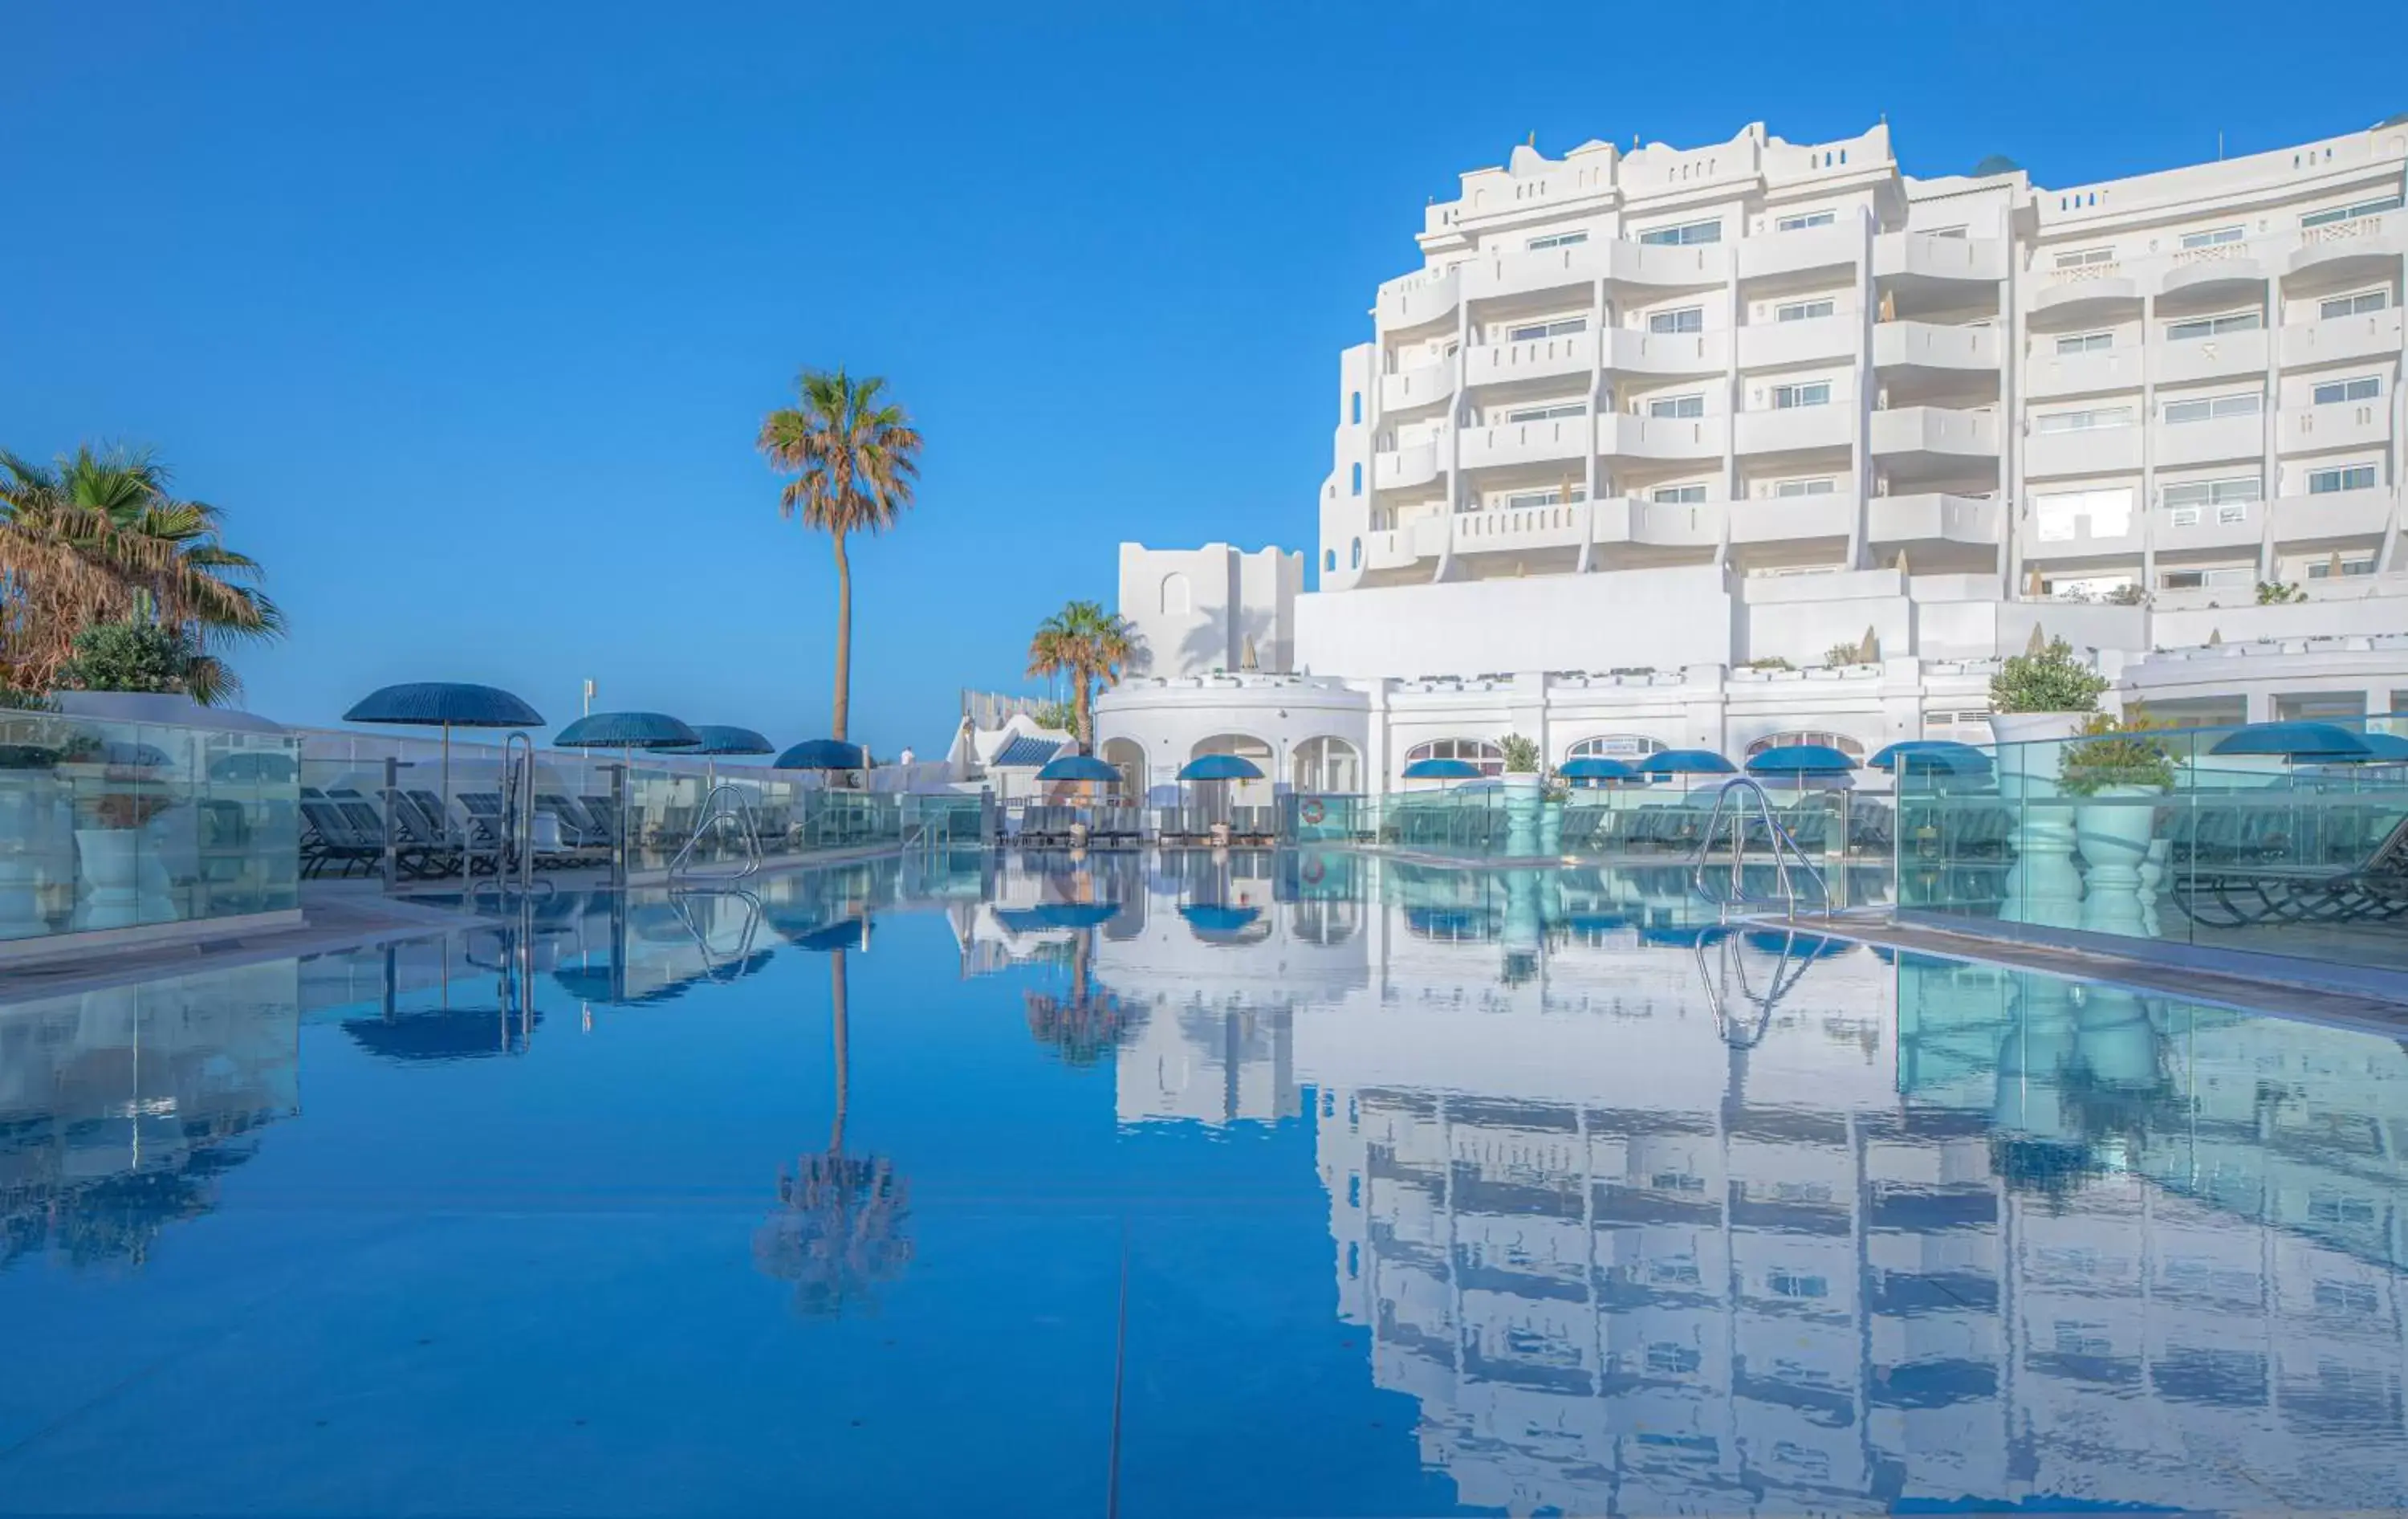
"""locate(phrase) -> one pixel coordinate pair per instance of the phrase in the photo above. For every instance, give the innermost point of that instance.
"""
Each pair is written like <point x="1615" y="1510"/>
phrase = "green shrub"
<point x="2047" y="679"/>
<point x="129" y="656"/>
<point x="2117" y="752"/>
<point x="1521" y="754"/>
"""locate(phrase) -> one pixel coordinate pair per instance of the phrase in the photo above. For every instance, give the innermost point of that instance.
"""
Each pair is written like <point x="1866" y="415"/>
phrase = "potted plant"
<point x="2117" y="770"/>
<point x="1522" y="801"/>
<point x="35" y="829"/>
<point x="117" y="794"/>
<point x="2037" y="699"/>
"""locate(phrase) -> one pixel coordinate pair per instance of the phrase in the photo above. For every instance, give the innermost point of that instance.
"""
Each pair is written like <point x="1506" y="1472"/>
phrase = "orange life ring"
<point x="1312" y="810"/>
<point x="1311" y="871"/>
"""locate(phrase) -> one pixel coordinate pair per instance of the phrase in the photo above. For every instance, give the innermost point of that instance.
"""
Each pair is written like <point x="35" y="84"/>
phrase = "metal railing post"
<point x="619" y="825"/>
<point x="392" y="845"/>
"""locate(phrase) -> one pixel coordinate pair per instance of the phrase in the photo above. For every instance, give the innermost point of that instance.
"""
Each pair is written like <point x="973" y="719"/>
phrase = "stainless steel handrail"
<point x="1784" y="848"/>
<point x="712" y="811"/>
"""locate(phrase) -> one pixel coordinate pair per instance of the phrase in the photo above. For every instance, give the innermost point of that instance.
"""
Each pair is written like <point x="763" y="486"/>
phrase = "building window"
<point x="2247" y="404"/>
<point x="2228" y="497"/>
<point x="2059" y="517"/>
<point x="1805" y="219"/>
<point x="1554" y="496"/>
<point x="1177" y="597"/>
<point x="1685" y="235"/>
<point x="2334" y="392"/>
<point x="1329" y="561"/>
<point x="2084" y="421"/>
<point x="1820" y="485"/>
<point x="1549" y="413"/>
<point x="2085" y="342"/>
<point x="1840" y="741"/>
<point x="2340" y="478"/>
<point x="1557" y="239"/>
<point x="1328" y="765"/>
<point x="1479" y="752"/>
<point x="2211" y="238"/>
<point x="1530" y="332"/>
<point x="2350" y="213"/>
<point x="1354" y="554"/>
<point x="1677" y="406"/>
<point x="2184" y="331"/>
<point x="1796" y="1285"/>
<point x="2352" y="305"/>
<point x="2227" y="579"/>
<point x="1958" y="232"/>
<point x="1357" y="478"/>
<point x="2082" y="258"/>
<point x="1806" y="310"/>
<point x="1354" y="408"/>
<point x="1685" y="319"/>
<point x="2322" y="569"/>
<point x="1784" y="397"/>
<point x="1679" y="494"/>
<point x="1633" y="747"/>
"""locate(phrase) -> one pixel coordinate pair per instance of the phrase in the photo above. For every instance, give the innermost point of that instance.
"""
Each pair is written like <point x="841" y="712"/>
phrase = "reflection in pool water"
<point x="1421" y="1189"/>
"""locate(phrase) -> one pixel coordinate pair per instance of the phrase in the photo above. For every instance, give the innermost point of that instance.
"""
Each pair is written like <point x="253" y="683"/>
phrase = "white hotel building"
<point x="1646" y="423"/>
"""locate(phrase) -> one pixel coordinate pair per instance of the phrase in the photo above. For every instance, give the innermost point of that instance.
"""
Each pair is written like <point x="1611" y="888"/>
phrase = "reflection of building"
<point x="119" y="1107"/>
<point x="2039" y="1241"/>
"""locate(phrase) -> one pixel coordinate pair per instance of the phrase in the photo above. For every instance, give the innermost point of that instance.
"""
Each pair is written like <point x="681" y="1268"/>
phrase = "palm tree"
<point x="1088" y="644"/>
<point x="99" y="537"/>
<point x="854" y="457"/>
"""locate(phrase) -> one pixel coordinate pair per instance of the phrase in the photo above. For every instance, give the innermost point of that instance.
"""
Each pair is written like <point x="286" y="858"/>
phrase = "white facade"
<point x="1664" y="414"/>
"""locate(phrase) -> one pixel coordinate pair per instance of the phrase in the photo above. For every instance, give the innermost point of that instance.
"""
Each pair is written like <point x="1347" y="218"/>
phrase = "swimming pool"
<point x="1269" y="1184"/>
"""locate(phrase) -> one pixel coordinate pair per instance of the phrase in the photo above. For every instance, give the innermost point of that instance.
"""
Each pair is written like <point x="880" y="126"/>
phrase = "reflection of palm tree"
<point x="839" y="1229"/>
<point x="1088" y="1023"/>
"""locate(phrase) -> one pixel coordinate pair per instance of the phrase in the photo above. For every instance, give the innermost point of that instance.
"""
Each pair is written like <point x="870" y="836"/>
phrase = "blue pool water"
<point x="1265" y="1186"/>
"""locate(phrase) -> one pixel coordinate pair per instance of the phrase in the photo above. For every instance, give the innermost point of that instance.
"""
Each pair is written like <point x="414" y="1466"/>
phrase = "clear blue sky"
<point x="467" y="313"/>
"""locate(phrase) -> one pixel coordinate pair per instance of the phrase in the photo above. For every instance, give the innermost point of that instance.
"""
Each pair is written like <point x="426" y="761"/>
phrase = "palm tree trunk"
<point x="843" y="640"/>
<point x="843" y="1072"/>
<point x="1083" y="713"/>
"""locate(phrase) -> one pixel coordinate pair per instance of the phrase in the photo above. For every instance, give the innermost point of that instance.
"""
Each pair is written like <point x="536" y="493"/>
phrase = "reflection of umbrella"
<point x="1794" y="945"/>
<point x="1594" y="767"/>
<point x="447" y="705"/>
<point x="1685" y="762"/>
<point x="843" y="934"/>
<point x="1442" y="770"/>
<point x="1057" y="916"/>
<point x="1684" y="937"/>
<point x="2294" y="740"/>
<point x="446" y="1034"/>
<point x="1208" y="919"/>
<point x="1801" y="760"/>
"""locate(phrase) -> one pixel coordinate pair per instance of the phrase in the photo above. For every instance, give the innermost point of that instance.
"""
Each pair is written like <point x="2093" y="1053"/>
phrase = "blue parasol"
<point x="1442" y="770"/>
<point x="1801" y="760"/>
<point x="447" y="705"/>
<point x="1687" y="762"/>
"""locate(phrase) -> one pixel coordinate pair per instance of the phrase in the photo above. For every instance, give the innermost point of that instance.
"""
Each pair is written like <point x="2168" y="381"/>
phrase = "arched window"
<point x="1178" y="598"/>
<point x="1490" y="757"/>
<point x="1840" y="741"/>
<point x="1328" y="765"/>
<point x="1354" y="554"/>
<point x="1328" y="559"/>
<point x="1358" y="480"/>
<point x="1239" y="793"/>
<point x="1355" y="411"/>
<point x="1128" y="756"/>
<point x="1621" y="746"/>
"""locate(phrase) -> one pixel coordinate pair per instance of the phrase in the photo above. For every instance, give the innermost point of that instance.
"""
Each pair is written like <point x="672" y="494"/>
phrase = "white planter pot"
<point x="108" y="863"/>
<point x="2043" y="888"/>
<point x="2114" y="828"/>
<point x="29" y="840"/>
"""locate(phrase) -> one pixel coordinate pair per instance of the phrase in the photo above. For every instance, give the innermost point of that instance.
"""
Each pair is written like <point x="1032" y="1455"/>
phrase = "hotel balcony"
<point x="1773" y="345"/>
<point x="1838" y="246"/>
<point x="1424" y="385"/>
<point x="2217" y="275"/>
<point x="1399" y="548"/>
<point x="1541" y="358"/>
<point x="1420" y="298"/>
<point x="1931" y="517"/>
<point x="2373" y="335"/>
<point x="1521" y="528"/>
<point x="1662" y="524"/>
<point x="1937" y="431"/>
<point x="2094" y="289"/>
<point x="1925" y="345"/>
<point x="1667" y="354"/>
<point x="1791" y="429"/>
<point x="2086" y="538"/>
<point x="2216" y="440"/>
<point x="1789" y="518"/>
<point x="2367" y="248"/>
<point x="1530" y="272"/>
<point x="1406" y="467"/>
<point x="1919" y="255"/>
<point x="2050" y="374"/>
<point x="1564" y="438"/>
<point x="2230" y="356"/>
<point x="1661" y="438"/>
<point x="2346" y="424"/>
<point x="2235" y="524"/>
<point x="2090" y="450"/>
<point x="2335" y="515"/>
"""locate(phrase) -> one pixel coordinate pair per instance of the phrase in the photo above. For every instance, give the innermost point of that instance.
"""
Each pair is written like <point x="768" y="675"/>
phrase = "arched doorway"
<point x="1128" y="756"/>
<point x="1328" y="766"/>
<point x="1245" y="746"/>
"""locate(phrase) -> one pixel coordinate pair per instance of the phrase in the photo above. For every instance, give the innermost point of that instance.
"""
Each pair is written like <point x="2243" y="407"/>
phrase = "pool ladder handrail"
<point x="1784" y="849"/>
<point x="1784" y="981"/>
<point x="749" y="832"/>
<point x="514" y="831"/>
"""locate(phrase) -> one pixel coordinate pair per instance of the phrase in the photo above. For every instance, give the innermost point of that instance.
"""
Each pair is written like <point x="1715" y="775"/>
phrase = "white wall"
<point x="1667" y="618"/>
<point x="1195" y="609"/>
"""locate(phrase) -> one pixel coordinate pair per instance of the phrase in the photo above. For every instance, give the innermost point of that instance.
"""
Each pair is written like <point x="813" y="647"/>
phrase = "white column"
<point x="1862" y="443"/>
<point x="2010" y="421"/>
<point x="1733" y="392"/>
<point x="1586" y="516"/>
<point x="2270" y="418"/>
<point x="2148" y="503"/>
